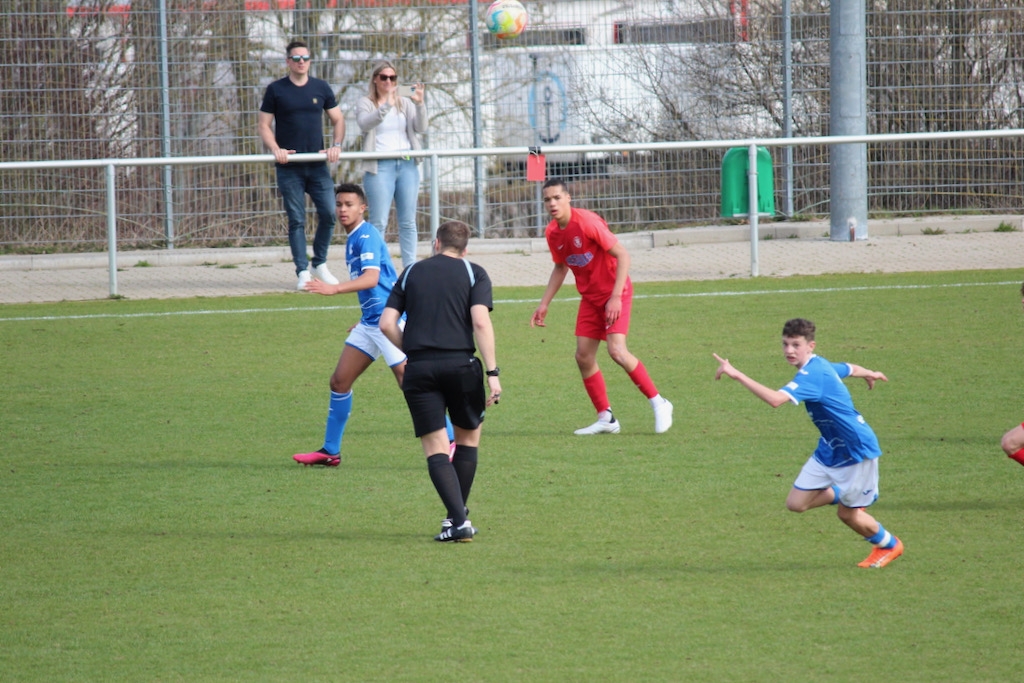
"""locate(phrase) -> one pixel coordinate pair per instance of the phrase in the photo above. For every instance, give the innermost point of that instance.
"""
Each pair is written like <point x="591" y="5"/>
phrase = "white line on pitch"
<point x="682" y="295"/>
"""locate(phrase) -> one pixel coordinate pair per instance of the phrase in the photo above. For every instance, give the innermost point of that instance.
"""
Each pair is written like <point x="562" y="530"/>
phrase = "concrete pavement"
<point x="966" y="243"/>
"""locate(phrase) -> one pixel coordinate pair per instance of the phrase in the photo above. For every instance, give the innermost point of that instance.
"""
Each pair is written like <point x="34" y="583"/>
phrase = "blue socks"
<point x="337" y="418"/>
<point x="883" y="539"/>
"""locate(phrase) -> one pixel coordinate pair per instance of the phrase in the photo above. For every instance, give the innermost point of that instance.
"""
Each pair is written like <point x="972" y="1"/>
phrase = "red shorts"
<point x="591" y="322"/>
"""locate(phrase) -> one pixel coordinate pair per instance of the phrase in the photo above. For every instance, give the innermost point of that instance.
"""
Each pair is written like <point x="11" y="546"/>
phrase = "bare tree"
<point x="933" y="65"/>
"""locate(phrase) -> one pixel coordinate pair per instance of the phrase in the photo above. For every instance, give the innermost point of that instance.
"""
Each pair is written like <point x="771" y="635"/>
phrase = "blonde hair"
<point x="377" y="68"/>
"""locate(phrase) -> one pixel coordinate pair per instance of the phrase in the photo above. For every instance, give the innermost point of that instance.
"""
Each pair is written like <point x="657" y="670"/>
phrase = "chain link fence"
<point x="101" y="79"/>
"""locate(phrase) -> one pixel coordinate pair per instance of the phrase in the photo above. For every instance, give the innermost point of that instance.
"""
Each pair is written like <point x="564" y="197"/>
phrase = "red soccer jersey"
<point x="583" y="245"/>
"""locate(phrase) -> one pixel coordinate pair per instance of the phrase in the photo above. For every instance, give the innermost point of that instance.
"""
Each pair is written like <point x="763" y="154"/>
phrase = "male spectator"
<point x="447" y="302"/>
<point x="295" y="105"/>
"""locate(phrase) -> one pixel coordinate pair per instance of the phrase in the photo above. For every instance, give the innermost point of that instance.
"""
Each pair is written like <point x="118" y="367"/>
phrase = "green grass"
<point x="155" y="527"/>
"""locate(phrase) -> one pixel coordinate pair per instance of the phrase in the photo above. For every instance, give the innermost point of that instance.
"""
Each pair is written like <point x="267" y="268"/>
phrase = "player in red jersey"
<point x="1013" y="440"/>
<point x="581" y="241"/>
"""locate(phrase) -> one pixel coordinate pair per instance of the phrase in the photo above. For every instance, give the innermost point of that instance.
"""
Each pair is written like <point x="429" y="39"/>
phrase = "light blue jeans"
<point x="396" y="180"/>
<point x="295" y="181"/>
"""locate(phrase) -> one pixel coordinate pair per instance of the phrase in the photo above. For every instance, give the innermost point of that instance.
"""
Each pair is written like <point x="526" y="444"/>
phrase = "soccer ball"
<point x="506" y="18"/>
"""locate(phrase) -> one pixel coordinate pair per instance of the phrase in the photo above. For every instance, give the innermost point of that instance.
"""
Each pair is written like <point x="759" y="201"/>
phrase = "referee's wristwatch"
<point x="338" y="145"/>
<point x="494" y="373"/>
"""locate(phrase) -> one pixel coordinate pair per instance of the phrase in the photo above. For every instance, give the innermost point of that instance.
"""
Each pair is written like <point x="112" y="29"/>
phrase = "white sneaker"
<point x="323" y="275"/>
<point x="304" y="277"/>
<point x="662" y="417"/>
<point x="600" y="427"/>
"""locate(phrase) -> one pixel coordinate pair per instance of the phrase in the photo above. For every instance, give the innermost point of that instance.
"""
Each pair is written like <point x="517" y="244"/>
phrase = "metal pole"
<point x="112" y="228"/>
<point x="165" y="137"/>
<point x="752" y="206"/>
<point x="787" y="104"/>
<point x="538" y="195"/>
<point x="435" y="199"/>
<point x="848" y="164"/>
<point x="478" y="162"/>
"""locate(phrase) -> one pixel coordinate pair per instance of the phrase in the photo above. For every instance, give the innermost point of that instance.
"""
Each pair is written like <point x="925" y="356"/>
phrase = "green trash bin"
<point x="735" y="184"/>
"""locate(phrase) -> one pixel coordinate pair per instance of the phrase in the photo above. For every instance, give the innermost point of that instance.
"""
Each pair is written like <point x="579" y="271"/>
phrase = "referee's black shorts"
<point x="450" y="381"/>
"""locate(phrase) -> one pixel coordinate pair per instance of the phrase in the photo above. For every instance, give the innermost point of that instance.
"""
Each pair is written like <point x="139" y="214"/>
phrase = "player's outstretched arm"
<point x="772" y="397"/>
<point x="870" y="376"/>
<point x="725" y="368"/>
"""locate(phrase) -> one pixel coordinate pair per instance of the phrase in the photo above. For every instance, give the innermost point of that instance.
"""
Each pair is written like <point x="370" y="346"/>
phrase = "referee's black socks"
<point x="446" y="482"/>
<point x="465" y="467"/>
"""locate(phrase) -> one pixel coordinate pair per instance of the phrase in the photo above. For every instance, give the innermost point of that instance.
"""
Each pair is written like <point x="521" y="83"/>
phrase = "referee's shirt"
<point x="436" y="295"/>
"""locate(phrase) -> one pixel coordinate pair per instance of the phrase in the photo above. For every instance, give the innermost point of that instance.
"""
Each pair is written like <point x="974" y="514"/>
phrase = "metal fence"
<point x="124" y="79"/>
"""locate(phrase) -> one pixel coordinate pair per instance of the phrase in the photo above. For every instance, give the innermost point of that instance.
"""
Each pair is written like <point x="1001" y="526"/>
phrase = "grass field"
<point x="155" y="527"/>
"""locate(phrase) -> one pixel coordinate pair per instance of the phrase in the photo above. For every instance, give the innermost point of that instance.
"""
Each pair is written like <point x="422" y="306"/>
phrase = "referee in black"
<point x="447" y="302"/>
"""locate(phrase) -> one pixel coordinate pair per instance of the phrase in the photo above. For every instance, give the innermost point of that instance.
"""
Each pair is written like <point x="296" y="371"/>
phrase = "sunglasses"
<point x="300" y="58"/>
<point x="393" y="77"/>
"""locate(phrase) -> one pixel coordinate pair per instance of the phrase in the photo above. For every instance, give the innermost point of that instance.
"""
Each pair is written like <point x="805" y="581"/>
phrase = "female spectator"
<point x="390" y="123"/>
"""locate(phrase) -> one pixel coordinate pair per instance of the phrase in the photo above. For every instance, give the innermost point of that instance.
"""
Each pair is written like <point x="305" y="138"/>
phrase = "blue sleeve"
<point x="371" y="252"/>
<point x="354" y="256"/>
<point x="842" y="369"/>
<point x="806" y="385"/>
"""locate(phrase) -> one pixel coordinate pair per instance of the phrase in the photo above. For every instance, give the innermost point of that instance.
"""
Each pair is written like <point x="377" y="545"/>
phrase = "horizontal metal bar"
<point x="525" y="150"/>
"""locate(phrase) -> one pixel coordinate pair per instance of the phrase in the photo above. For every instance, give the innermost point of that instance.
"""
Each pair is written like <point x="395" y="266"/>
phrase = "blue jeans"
<point x="295" y="181"/>
<point x="398" y="180"/>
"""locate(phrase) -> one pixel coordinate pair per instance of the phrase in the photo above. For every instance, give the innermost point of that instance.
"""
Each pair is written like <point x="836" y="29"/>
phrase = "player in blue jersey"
<point x="843" y="470"/>
<point x="372" y="275"/>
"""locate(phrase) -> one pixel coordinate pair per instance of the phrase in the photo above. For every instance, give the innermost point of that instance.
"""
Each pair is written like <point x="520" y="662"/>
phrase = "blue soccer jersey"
<point x="846" y="438"/>
<point x="365" y="249"/>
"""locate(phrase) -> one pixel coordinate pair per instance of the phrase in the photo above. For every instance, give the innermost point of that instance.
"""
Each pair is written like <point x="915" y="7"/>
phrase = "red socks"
<point x="1018" y="456"/>
<point x="643" y="381"/>
<point x="597" y="391"/>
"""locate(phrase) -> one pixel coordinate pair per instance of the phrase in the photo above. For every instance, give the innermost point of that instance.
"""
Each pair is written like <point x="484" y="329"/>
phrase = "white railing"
<point x="434" y="154"/>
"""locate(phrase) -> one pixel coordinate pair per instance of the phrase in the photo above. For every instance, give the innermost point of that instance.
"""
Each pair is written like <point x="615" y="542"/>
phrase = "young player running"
<point x="580" y="240"/>
<point x="843" y="470"/>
